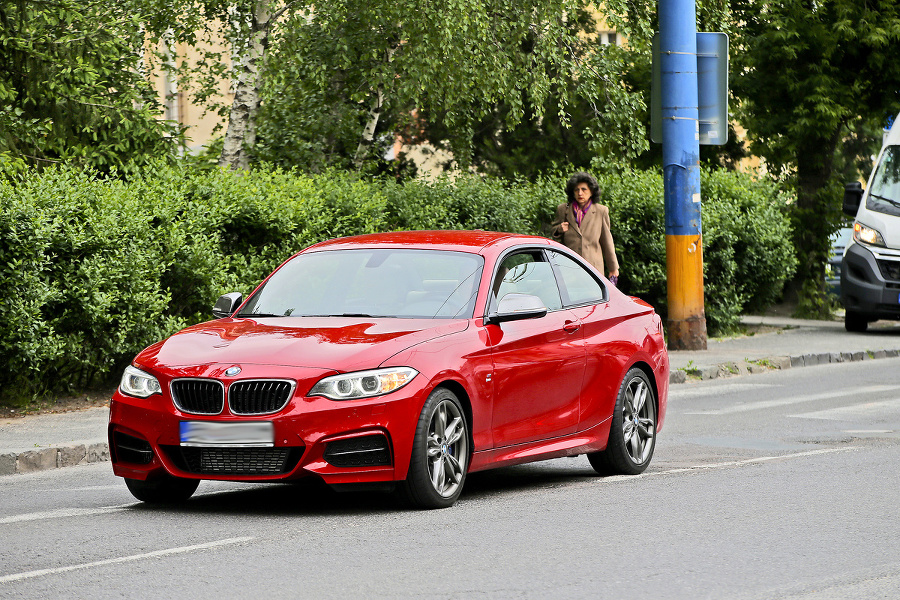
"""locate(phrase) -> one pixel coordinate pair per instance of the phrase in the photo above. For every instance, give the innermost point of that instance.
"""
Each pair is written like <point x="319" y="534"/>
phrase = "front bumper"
<point x="870" y="283"/>
<point x="342" y="442"/>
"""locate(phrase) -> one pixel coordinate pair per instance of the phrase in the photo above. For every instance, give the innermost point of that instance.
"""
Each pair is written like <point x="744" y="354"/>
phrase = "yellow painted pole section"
<point x="684" y="271"/>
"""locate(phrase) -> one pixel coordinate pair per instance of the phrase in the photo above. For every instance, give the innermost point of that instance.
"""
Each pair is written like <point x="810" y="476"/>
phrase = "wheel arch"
<point x="463" y="396"/>
<point x="648" y="371"/>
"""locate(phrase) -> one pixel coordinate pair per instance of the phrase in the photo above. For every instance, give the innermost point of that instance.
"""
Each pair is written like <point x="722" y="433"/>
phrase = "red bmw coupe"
<point x="401" y="360"/>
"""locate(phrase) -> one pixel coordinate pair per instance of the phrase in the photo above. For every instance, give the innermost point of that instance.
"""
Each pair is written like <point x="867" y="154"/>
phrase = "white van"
<point x="870" y="270"/>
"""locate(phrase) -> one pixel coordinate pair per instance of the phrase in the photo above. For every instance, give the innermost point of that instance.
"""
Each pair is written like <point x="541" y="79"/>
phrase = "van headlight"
<point x="363" y="384"/>
<point x="867" y="235"/>
<point x="138" y="383"/>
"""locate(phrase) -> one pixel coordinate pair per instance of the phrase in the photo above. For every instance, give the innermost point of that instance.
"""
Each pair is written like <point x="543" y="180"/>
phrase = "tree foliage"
<point x="813" y="79"/>
<point x="71" y="86"/>
<point x="443" y="71"/>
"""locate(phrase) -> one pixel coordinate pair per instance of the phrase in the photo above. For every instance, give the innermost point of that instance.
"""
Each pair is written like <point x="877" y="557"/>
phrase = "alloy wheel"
<point x="447" y="448"/>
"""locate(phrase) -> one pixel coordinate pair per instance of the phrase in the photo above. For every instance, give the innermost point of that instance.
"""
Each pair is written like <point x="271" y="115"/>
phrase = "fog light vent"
<point x="131" y="449"/>
<point x="365" y="451"/>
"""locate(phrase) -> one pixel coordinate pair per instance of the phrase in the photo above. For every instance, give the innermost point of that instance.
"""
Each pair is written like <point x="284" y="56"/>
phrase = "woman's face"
<point x="582" y="194"/>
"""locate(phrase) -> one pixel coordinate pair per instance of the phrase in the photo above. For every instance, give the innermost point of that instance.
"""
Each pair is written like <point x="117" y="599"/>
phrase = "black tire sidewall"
<point x="616" y="459"/>
<point x="418" y="488"/>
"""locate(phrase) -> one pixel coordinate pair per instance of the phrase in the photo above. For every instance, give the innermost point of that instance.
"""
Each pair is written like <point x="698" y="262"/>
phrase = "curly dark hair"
<point x="582" y="177"/>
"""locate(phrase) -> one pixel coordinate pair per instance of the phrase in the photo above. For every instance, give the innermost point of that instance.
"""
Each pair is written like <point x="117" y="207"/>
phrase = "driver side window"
<point x="527" y="273"/>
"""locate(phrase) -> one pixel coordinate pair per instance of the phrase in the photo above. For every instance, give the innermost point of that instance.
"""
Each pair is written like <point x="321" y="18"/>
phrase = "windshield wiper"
<point x="252" y="315"/>
<point x="888" y="200"/>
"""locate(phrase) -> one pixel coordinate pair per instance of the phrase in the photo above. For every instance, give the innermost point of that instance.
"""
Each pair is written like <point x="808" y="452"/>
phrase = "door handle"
<point x="571" y="326"/>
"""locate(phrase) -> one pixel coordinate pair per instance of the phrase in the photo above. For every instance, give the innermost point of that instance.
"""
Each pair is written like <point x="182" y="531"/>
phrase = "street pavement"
<point x="50" y="441"/>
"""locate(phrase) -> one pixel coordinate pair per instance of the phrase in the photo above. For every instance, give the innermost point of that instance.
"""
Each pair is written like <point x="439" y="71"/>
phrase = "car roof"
<point x="464" y="241"/>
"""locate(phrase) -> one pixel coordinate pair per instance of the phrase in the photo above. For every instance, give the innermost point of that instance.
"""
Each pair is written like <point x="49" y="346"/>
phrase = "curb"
<point x="43" y="459"/>
<point x="762" y="365"/>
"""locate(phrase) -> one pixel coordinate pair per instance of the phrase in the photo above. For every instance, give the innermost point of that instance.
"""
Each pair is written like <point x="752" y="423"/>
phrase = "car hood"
<point x="339" y="343"/>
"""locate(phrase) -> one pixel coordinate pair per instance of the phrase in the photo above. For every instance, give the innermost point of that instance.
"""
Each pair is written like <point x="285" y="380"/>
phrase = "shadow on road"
<point x="312" y="497"/>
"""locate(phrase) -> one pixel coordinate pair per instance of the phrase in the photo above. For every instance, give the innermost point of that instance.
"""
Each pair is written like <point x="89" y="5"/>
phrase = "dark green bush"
<point x="94" y="270"/>
<point x="747" y="252"/>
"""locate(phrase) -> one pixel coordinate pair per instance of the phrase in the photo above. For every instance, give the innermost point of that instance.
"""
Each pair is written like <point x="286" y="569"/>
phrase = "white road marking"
<point x="693" y="391"/>
<point x="745" y="407"/>
<point x="844" y="413"/>
<point x="123" y="559"/>
<point x="759" y="459"/>
<point x="713" y="466"/>
<point x="61" y="513"/>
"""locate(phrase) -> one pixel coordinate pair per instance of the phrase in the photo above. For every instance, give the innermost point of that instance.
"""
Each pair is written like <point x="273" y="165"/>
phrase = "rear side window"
<point x="580" y="285"/>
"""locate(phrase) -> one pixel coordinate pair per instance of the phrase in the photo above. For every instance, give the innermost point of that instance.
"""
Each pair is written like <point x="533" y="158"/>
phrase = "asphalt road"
<point x="779" y="485"/>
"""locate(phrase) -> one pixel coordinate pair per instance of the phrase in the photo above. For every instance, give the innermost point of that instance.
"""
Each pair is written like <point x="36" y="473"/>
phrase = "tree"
<point x="71" y="86"/>
<point x="811" y="77"/>
<point x="453" y="66"/>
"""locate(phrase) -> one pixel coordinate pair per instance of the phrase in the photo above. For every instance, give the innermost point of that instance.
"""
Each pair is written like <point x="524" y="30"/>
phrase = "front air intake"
<point x="365" y="451"/>
<point x="199" y="396"/>
<point x="259" y="396"/>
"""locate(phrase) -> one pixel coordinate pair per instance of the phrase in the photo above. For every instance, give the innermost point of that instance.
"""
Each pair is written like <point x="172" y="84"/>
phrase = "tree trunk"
<point x="368" y="134"/>
<point x="241" y="133"/>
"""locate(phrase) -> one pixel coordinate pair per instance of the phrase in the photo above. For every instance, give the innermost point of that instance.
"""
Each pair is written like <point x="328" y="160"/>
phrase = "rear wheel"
<point x="855" y="322"/>
<point x="632" y="435"/>
<point x="162" y="490"/>
<point x="440" y="453"/>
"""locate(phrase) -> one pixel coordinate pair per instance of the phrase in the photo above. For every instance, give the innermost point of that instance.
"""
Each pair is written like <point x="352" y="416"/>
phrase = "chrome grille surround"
<point x="198" y="396"/>
<point x="260" y="396"/>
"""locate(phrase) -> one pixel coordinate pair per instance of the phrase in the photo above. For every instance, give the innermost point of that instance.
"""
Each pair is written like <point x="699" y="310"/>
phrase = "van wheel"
<point x="855" y="322"/>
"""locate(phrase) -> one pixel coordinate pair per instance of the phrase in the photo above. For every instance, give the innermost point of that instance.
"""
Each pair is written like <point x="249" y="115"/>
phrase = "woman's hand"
<point x="564" y="226"/>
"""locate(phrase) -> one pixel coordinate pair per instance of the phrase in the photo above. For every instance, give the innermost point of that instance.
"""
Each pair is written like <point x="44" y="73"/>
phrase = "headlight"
<point x="363" y="384"/>
<point x="867" y="235"/>
<point x="137" y="383"/>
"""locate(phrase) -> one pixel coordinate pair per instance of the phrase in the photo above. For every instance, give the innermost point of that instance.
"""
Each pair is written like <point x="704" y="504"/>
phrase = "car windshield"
<point x="404" y="283"/>
<point x="884" y="195"/>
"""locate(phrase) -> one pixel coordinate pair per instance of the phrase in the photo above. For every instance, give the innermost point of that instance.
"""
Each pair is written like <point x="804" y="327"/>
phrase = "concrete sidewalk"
<point x="51" y="441"/>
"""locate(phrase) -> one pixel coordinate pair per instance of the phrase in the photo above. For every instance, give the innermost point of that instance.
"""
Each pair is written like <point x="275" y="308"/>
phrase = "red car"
<point x="402" y="360"/>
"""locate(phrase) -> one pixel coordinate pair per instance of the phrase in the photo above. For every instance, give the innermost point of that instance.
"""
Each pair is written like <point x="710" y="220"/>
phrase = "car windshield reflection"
<point x="382" y="283"/>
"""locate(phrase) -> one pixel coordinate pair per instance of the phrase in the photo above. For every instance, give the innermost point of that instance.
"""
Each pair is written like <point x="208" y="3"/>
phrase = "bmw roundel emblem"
<point x="232" y="371"/>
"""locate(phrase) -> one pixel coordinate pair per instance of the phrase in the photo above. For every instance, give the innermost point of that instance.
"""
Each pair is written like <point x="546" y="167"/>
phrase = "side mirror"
<point x="227" y="304"/>
<point x="515" y="307"/>
<point x="852" y="197"/>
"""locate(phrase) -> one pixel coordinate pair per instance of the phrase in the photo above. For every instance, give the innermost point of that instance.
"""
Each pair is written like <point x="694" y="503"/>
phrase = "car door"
<point x="538" y="364"/>
<point x="605" y="352"/>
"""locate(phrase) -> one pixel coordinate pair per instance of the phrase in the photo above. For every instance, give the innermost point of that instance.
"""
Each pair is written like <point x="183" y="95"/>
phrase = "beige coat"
<point x="592" y="240"/>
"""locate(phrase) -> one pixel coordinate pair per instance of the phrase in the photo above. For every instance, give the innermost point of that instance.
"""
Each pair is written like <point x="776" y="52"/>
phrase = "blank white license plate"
<point x="208" y="433"/>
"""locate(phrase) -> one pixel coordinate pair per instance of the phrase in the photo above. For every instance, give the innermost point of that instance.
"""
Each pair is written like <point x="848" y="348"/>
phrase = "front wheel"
<point x="632" y="435"/>
<point x="855" y="322"/>
<point x="440" y="453"/>
<point x="162" y="490"/>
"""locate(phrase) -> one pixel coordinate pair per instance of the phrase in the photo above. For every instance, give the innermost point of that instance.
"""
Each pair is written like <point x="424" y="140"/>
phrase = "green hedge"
<point x="94" y="270"/>
<point x="747" y="251"/>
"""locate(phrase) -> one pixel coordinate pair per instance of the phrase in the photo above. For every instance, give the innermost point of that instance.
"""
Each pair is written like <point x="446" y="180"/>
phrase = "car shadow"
<point x="312" y="497"/>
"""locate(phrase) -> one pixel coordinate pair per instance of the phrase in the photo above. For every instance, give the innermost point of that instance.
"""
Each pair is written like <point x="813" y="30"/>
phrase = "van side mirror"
<point x="852" y="197"/>
<point x="227" y="304"/>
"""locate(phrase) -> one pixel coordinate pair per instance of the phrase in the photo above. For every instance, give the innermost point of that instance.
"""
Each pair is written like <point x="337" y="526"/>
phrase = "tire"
<point x="855" y="322"/>
<point x="162" y="490"/>
<point x="440" y="453"/>
<point x="632" y="435"/>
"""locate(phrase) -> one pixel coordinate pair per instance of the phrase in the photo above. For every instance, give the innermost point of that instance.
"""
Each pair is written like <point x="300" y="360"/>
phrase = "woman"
<point x="582" y="225"/>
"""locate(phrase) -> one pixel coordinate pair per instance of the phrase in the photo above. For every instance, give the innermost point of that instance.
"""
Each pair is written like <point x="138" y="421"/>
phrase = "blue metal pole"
<point x="681" y="174"/>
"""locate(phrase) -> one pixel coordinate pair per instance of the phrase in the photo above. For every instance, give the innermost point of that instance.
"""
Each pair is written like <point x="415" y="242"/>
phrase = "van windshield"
<point x="884" y="194"/>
